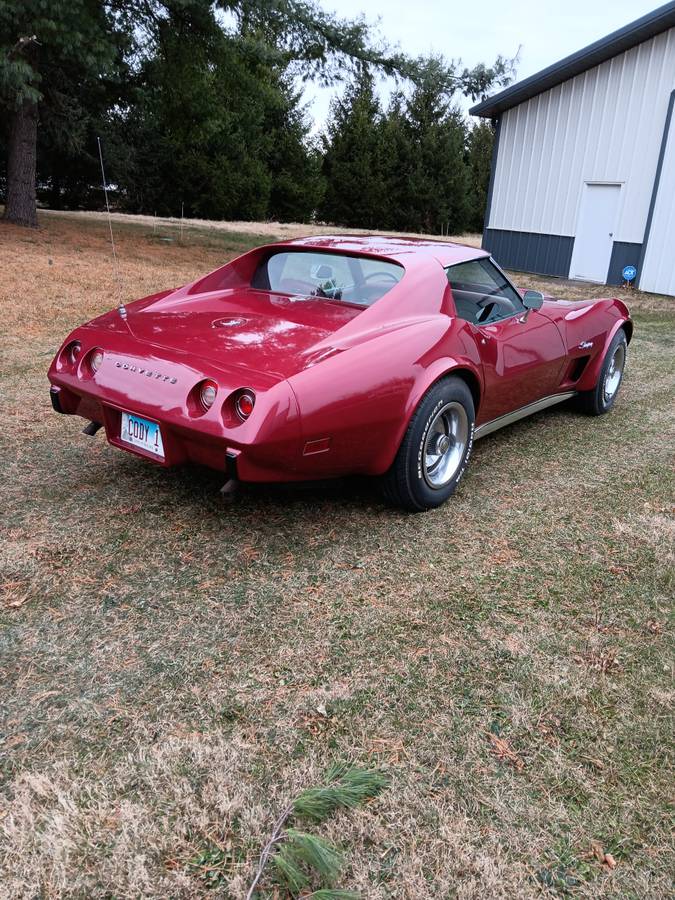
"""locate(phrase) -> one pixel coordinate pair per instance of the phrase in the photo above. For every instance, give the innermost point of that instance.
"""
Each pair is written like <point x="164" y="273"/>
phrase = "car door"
<point x="521" y="350"/>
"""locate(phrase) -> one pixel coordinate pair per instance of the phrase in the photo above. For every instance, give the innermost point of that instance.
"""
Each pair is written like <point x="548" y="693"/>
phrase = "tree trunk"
<point x="20" y="208"/>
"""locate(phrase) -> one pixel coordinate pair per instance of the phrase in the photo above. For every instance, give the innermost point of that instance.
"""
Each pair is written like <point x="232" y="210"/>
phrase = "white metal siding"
<point x="605" y="124"/>
<point x="658" y="268"/>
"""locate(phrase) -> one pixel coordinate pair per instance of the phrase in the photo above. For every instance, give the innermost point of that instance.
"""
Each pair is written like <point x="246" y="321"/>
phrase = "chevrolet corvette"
<point x="328" y="356"/>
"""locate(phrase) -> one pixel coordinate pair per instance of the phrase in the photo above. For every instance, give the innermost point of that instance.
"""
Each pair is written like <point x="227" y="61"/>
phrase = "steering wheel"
<point x="381" y="274"/>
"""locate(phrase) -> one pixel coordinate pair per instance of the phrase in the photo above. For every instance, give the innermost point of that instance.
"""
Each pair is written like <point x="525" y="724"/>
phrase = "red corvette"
<point x="327" y="356"/>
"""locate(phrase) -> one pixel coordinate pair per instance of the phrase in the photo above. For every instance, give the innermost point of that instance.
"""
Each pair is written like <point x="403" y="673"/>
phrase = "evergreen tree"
<point x="198" y="111"/>
<point x="215" y="130"/>
<point x="49" y="55"/>
<point x="353" y="158"/>
<point x="479" y="154"/>
<point x="45" y="45"/>
<point x="294" y="161"/>
<point x="399" y="165"/>
<point x="437" y="187"/>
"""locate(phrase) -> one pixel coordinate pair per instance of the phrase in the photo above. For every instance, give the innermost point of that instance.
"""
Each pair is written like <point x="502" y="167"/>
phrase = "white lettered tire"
<point x="436" y="448"/>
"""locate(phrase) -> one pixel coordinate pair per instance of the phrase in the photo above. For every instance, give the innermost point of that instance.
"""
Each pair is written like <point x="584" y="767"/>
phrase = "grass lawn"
<point x="175" y="668"/>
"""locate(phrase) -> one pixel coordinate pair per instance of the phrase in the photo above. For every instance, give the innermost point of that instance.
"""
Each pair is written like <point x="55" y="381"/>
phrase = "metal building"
<point x="583" y="169"/>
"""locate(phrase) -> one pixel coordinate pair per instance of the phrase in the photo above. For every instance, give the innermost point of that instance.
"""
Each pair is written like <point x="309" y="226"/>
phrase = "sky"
<point x="478" y="32"/>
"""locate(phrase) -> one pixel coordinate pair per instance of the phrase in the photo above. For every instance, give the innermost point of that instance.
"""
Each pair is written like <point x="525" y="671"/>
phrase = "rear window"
<point x="330" y="276"/>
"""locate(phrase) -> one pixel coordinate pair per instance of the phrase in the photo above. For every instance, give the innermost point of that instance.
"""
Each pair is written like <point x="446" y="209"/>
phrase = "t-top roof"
<point x="446" y="252"/>
<point x="636" y="32"/>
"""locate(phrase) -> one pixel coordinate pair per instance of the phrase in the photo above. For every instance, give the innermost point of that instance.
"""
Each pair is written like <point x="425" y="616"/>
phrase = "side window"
<point x="481" y="293"/>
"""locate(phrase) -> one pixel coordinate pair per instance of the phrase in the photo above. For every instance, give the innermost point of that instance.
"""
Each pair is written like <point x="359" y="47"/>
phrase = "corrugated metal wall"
<point x="603" y="125"/>
<point x="658" y="267"/>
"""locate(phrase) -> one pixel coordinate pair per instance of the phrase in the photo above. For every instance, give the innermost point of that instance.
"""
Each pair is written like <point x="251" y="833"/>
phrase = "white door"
<point x="595" y="232"/>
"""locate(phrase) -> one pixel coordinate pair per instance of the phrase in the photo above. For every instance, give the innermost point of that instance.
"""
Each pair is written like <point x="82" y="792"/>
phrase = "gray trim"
<point x="529" y="410"/>
<point x="623" y="254"/>
<point x="493" y="170"/>
<point x="657" y="179"/>
<point x="630" y="35"/>
<point x="525" y="251"/>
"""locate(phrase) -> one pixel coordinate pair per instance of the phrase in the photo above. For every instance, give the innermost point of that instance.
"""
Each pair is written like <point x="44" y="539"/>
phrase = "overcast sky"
<point x="478" y="32"/>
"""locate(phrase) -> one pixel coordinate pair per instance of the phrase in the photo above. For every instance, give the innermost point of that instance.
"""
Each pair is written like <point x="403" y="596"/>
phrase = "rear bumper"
<point x="247" y="459"/>
<point x="54" y="396"/>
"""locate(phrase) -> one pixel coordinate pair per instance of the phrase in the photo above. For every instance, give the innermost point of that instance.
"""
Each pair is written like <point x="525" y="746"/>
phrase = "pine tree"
<point x="479" y="155"/>
<point x="293" y="160"/>
<point x="437" y="198"/>
<point x="45" y="49"/>
<point x="399" y="164"/>
<point x="354" y="158"/>
<point x="44" y="45"/>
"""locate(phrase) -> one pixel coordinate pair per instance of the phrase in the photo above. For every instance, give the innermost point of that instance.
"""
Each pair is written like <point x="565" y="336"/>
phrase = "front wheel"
<point x="435" y="450"/>
<point x="601" y="399"/>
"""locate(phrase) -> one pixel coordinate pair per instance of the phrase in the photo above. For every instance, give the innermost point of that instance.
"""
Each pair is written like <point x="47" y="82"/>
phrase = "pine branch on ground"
<point x="298" y="857"/>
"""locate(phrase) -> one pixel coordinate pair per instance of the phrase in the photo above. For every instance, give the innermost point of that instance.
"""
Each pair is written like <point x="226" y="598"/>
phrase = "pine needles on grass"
<point x="300" y="858"/>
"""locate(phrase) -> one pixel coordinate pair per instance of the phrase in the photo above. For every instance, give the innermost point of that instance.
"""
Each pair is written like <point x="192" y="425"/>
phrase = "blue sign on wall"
<point x="629" y="273"/>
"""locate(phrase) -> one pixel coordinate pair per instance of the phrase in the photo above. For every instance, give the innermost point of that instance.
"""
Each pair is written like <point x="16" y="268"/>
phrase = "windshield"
<point x="331" y="276"/>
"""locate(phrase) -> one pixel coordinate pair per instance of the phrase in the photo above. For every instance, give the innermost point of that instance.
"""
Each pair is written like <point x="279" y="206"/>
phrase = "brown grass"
<point x="174" y="669"/>
<point x="278" y="230"/>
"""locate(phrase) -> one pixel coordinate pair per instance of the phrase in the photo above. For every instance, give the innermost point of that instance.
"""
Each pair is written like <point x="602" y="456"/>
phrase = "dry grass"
<point x="279" y="230"/>
<point x="174" y="669"/>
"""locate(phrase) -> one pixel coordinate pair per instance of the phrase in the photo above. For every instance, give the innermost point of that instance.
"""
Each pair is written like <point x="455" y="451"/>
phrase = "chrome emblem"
<point x="235" y="322"/>
<point x="149" y="373"/>
<point x="585" y="345"/>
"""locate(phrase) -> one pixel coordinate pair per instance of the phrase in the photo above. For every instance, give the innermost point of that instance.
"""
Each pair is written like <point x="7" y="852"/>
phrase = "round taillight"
<point x="244" y="404"/>
<point x="73" y="352"/>
<point x="96" y="359"/>
<point x="207" y="394"/>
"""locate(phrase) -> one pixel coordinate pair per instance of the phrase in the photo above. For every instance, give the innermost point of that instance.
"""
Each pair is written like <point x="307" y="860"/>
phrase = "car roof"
<point x="446" y="252"/>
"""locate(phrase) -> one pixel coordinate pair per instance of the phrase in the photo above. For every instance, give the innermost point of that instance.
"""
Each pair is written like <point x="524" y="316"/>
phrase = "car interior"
<point x="481" y="293"/>
<point x="309" y="275"/>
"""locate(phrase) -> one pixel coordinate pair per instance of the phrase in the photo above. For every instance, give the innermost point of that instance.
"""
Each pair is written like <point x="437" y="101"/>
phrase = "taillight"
<point x="69" y="357"/>
<point x="207" y="393"/>
<point x="95" y="359"/>
<point x="72" y="352"/>
<point x="244" y="404"/>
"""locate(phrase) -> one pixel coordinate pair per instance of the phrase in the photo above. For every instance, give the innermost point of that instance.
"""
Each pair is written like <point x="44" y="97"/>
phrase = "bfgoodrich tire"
<point x="601" y="399"/>
<point x="435" y="450"/>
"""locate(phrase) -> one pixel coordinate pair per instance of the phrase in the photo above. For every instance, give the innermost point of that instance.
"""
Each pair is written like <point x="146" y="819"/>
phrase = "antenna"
<point x="116" y="271"/>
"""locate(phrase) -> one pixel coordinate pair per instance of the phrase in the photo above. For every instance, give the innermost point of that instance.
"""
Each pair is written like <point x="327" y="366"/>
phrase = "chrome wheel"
<point x="614" y="372"/>
<point x="445" y="444"/>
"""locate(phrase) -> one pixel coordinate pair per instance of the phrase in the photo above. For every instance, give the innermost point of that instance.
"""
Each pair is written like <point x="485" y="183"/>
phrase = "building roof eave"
<point x="613" y="44"/>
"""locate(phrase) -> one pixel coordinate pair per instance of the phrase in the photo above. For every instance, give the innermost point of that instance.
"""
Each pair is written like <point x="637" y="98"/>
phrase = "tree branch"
<point x="267" y="849"/>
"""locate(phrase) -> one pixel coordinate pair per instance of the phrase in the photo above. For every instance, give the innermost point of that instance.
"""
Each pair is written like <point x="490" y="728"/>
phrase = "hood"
<point x="245" y="328"/>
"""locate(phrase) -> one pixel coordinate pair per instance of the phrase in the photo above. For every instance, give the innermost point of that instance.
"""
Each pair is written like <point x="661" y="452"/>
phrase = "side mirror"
<point x="533" y="299"/>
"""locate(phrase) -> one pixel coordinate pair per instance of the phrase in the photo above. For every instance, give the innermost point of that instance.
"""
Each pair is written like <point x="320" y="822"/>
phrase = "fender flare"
<point x="439" y="369"/>
<point x="589" y="379"/>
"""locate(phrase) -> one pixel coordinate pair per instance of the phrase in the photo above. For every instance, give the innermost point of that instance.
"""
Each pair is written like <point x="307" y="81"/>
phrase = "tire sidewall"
<point x="603" y="404"/>
<point x="450" y="390"/>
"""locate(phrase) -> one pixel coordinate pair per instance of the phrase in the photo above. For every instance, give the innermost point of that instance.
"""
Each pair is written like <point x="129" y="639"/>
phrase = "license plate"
<point x="140" y="433"/>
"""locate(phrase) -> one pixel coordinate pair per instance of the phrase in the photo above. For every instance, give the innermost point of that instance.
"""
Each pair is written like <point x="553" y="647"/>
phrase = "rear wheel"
<point x="435" y="450"/>
<point x="601" y="399"/>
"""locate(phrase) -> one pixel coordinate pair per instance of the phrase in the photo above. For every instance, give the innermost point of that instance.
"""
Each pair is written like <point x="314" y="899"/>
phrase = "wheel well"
<point x="470" y="380"/>
<point x="628" y="328"/>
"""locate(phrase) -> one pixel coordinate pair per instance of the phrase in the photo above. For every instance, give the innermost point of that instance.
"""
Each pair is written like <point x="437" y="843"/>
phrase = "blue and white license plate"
<point x="141" y="433"/>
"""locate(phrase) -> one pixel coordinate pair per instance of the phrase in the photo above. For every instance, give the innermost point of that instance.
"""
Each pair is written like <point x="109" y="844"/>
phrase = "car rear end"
<point x="171" y="407"/>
